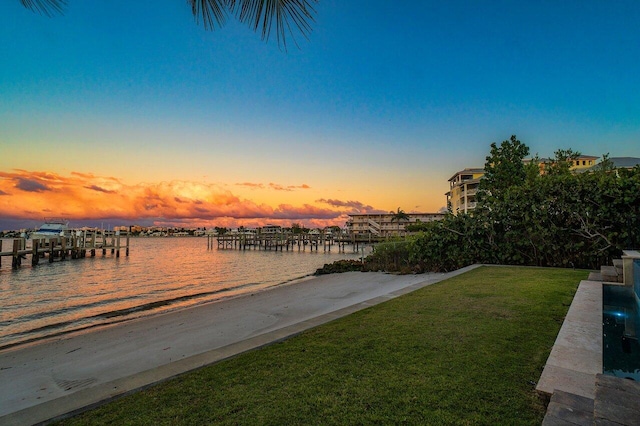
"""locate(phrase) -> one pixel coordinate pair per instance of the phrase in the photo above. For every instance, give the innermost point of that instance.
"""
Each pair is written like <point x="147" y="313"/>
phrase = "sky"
<point x="117" y="113"/>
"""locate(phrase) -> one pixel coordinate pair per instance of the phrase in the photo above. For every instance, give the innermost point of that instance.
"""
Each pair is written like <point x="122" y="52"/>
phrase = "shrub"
<point x="340" y="266"/>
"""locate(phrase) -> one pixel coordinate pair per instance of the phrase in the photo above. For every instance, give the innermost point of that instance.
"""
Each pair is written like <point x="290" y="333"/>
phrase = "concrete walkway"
<point x="68" y="374"/>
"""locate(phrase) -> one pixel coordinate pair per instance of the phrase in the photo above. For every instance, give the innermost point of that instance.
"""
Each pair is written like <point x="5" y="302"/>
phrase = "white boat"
<point x="52" y="228"/>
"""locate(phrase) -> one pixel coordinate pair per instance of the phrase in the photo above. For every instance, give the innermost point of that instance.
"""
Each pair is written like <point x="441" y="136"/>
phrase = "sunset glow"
<point x="123" y="113"/>
<point x="82" y="197"/>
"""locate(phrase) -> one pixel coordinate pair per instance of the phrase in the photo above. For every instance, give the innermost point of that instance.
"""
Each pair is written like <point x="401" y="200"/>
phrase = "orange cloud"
<point x="273" y="186"/>
<point x="32" y="195"/>
<point x="99" y="189"/>
<point x="354" y="206"/>
<point x="251" y="185"/>
<point x="278" y="187"/>
<point x="29" y="185"/>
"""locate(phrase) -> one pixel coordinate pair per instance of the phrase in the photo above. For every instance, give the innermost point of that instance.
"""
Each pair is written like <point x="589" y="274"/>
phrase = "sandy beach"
<point x="65" y="374"/>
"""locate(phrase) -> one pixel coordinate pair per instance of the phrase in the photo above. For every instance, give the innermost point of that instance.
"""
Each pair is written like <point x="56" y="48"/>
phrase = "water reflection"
<point x="620" y="325"/>
<point x="160" y="274"/>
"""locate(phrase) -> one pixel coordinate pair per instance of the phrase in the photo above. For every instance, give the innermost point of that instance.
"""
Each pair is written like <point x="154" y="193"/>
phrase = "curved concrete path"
<point x="64" y="375"/>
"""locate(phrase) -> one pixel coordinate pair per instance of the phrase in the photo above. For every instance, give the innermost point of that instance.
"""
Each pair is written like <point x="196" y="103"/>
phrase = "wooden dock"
<point x="281" y="241"/>
<point x="75" y="246"/>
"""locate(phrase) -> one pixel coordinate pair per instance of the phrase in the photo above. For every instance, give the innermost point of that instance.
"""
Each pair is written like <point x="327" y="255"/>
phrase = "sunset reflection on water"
<point x="160" y="274"/>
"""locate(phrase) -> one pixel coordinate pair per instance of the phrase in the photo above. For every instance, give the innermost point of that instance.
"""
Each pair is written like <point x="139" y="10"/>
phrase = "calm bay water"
<point x="160" y="274"/>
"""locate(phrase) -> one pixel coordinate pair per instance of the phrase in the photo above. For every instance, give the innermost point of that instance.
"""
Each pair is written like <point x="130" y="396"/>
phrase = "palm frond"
<point x="45" y="7"/>
<point x="286" y="15"/>
<point x="212" y="12"/>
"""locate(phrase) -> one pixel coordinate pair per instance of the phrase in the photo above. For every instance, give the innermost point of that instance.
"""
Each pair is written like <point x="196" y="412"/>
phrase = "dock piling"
<point x="35" y="256"/>
<point x="15" y="262"/>
<point x="63" y="247"/>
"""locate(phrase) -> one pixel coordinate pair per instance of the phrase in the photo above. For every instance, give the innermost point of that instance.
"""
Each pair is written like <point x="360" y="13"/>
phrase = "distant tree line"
<point x="555" y="218"/>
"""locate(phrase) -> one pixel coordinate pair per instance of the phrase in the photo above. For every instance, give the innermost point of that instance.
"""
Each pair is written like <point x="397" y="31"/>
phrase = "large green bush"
<point x="558" y="218"/>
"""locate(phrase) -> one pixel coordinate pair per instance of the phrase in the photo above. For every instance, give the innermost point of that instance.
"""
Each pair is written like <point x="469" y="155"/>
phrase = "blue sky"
<point x="381" y="105"/>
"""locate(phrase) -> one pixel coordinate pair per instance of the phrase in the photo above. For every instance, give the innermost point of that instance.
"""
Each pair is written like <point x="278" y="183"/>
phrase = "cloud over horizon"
<point x="273" y="186"/>
<point x="81" y="196"/>
<point x="355" y="206"/>
<point x="29" y="185"/>
<point x="99" y="189"/>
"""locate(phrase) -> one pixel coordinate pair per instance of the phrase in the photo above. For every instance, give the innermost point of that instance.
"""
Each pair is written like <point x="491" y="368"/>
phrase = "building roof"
<point x="586" y="157"/>
<point x="620" y="163"/>
<point x="467" y="170"/>
<point x="626" y="162"/>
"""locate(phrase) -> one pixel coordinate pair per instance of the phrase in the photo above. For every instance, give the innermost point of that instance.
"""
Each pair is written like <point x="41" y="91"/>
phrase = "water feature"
<point x="621" y="326"/>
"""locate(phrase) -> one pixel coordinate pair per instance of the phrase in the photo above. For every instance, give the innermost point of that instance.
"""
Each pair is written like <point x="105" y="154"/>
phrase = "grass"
<point x="465" y="351"/>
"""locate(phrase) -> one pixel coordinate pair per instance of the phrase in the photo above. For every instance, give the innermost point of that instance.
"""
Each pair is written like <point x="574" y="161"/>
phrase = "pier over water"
<point x="284" y="240"/>
<point x="74" y="246"/>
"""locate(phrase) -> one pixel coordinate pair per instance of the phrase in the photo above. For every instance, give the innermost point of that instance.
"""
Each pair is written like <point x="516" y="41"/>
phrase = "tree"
<point x="605" y="165"/>
<point x="562" y="163"/>
<point x="417" y="226"/>
<point x="400" y="215"/>
<point x="296" y="228"/>
<point x="557" y="218"/>
<point x="260" y="15"/>
<point x="504" y="168"/>
<point x="335" y="229"/>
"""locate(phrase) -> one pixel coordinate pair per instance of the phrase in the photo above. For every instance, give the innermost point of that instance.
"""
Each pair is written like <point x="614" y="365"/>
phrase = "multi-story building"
<point x="463" y="187"/>
<point x="384" y="224"/>
<point x="583" y="162"/>
<point x="578" y="164"/>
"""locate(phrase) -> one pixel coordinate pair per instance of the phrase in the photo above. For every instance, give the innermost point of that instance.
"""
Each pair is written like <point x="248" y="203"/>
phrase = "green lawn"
<point x="465" y="351"/>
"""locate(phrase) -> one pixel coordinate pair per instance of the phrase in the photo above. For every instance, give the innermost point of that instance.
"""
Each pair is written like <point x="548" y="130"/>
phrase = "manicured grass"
<point x="465" y="351"/>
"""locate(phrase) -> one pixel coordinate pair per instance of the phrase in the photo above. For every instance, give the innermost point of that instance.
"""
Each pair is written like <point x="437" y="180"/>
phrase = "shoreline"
<point x="150" y="309"/>
<point x="50" y="378"/>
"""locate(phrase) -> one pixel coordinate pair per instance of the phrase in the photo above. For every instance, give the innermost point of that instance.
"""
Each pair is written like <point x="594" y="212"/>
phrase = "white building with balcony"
<point x="384" y="225"/>
<point x="463" y="187"/>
